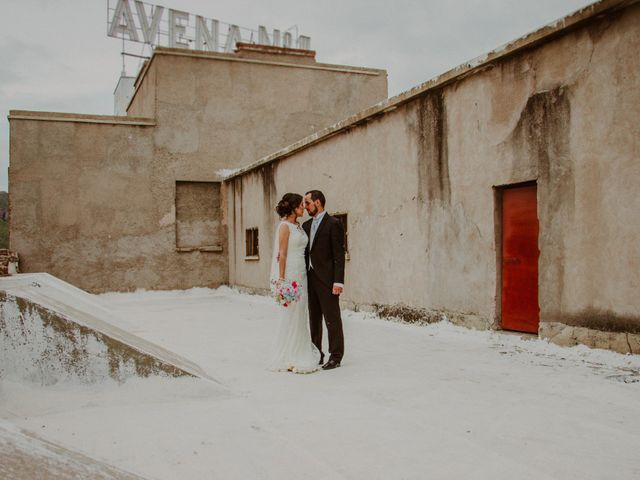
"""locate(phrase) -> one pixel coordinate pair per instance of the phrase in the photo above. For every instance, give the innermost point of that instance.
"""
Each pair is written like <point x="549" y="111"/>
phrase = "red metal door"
<point x="520" y="310"/>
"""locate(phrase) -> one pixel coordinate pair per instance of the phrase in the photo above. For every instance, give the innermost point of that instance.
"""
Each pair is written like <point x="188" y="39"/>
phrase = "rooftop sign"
<point x="142" y="22"/>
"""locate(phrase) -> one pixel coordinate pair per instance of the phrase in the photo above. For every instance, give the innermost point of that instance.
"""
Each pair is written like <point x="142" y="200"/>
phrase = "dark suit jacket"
<point x="327" y="251"/>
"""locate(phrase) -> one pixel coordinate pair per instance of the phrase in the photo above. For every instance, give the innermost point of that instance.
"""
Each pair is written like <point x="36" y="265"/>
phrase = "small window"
<point x="198" y="217"/>
<point x="252" y="243"/>
<point x="343" y="218"/>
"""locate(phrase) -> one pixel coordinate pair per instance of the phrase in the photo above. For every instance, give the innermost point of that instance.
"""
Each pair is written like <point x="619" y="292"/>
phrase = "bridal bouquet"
<point x="286" y="292"/>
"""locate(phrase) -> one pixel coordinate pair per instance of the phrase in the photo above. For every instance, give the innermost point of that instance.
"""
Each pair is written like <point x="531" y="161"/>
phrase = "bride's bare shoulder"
<point x="284" y="226"/>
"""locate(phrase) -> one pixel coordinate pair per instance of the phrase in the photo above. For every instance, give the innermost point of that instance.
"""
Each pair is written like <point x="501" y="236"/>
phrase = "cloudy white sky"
<point x="55" y="55"/>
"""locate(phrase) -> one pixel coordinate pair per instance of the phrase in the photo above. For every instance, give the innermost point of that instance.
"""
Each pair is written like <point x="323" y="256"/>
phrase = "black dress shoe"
<point x="321" y="360"/>
<point x="330" y="365"/>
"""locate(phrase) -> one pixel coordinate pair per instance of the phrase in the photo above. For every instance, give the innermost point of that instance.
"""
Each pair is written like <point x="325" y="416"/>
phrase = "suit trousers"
<point x="322" y="302"/>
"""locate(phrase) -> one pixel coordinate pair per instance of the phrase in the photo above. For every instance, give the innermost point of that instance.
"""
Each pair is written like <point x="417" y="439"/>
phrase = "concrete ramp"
<point x="24" y="455"/>
<point x="51" y="331"/>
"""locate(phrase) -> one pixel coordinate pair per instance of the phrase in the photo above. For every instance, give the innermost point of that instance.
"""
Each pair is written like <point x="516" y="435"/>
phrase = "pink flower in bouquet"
<point x="286" y="292"/>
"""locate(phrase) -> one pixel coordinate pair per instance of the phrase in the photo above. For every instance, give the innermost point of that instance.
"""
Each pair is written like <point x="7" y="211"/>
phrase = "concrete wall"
<point x="218" y="111"/>
<point x="82" y="201"/>
<point x="418" y="184"/>
<point x="88" y="206"/>
<point x="94" y="198"/>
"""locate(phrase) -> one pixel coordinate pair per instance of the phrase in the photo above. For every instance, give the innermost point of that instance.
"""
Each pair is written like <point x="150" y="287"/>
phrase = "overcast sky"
<point x="55" y="55"/>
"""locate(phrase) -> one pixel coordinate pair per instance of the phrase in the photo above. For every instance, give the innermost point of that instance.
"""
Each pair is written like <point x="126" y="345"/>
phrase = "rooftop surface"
<point x="410" y="401"/>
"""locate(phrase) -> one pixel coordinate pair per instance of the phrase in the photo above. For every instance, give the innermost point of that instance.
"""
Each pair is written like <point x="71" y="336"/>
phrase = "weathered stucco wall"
<point x="251" y="203"/>
<point x="224" y="111"/>
<point x="84" y="207"/>
<point x="418" y="185"/>
<point x="94" y="198"/>
<point x="94" y="205"/>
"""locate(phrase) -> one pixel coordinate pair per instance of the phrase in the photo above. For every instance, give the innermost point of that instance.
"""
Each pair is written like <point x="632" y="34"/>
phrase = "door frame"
<point x="497" y="215"/>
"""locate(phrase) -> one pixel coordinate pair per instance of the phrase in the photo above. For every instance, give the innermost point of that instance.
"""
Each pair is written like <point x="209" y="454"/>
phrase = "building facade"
<point x="498" y="195"/>
<point x="501" y="194"/>
<point x="119" y="203"/>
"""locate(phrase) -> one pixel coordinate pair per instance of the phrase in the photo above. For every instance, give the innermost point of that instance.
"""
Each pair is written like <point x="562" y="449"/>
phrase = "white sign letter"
<point x="304" y="42"/>
<point x="177" y="28"/>
<point x="204" y="37"/>
<point x="263" y="37"/>
<point x="233" y="36"/>
<point x="122" y="22"/>
<point x="287" y="40"/>
<point x="149" y="31"/>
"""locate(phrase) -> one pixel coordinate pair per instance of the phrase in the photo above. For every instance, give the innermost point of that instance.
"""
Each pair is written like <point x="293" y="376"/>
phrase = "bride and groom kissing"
<point x="310" y="257"/>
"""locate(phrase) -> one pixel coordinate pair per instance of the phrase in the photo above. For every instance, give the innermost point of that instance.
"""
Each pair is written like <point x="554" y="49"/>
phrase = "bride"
<point x="293" y="350"/>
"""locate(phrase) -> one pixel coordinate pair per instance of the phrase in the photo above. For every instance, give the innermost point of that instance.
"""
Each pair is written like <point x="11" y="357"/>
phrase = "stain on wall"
<point x="267" y="177"/>
<point x="602" y="320"/>
<point x="542" y="134"/>
<point x="430" y="128"/>
<point x="541" y="140"/>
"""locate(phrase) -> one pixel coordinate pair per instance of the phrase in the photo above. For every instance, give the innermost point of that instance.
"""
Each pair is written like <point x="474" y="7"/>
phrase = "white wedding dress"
<point x="293" y="350"/>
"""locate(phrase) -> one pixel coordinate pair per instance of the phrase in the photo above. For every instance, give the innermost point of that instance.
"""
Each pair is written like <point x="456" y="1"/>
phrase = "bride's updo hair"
<point x="288" y="204"/>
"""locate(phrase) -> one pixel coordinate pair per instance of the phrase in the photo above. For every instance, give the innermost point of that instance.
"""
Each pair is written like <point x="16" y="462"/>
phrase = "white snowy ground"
<point x="409" y="402"/>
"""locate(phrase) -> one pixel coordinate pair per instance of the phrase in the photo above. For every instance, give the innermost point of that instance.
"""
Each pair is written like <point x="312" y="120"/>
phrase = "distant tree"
<point x="4" y="227"/>
<point x="4" y="234"/>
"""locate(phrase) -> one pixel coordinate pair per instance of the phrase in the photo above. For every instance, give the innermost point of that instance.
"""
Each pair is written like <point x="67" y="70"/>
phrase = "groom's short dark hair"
<point x="317" y="195"/>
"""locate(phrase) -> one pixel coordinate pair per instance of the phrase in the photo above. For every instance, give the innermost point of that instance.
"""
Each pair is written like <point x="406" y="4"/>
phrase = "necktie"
<point x="314" y="228"/>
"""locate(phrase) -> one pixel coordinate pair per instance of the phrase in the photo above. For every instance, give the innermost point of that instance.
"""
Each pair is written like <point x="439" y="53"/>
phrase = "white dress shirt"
<point x="315" y="223"/>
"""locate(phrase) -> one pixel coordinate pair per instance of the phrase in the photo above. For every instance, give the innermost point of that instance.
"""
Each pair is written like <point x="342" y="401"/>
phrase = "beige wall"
<point x="83" y="205"/>
<point x="94" y="198"/>
<point x="222" y="111"/>
<point x="418" y="185"/>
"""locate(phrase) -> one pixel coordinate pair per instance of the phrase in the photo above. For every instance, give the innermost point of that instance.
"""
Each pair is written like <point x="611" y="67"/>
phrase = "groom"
<point x="324" y="257"/>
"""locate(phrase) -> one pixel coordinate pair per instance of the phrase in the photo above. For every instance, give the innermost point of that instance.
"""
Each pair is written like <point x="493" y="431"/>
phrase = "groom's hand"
<point x="337" y="289"/>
